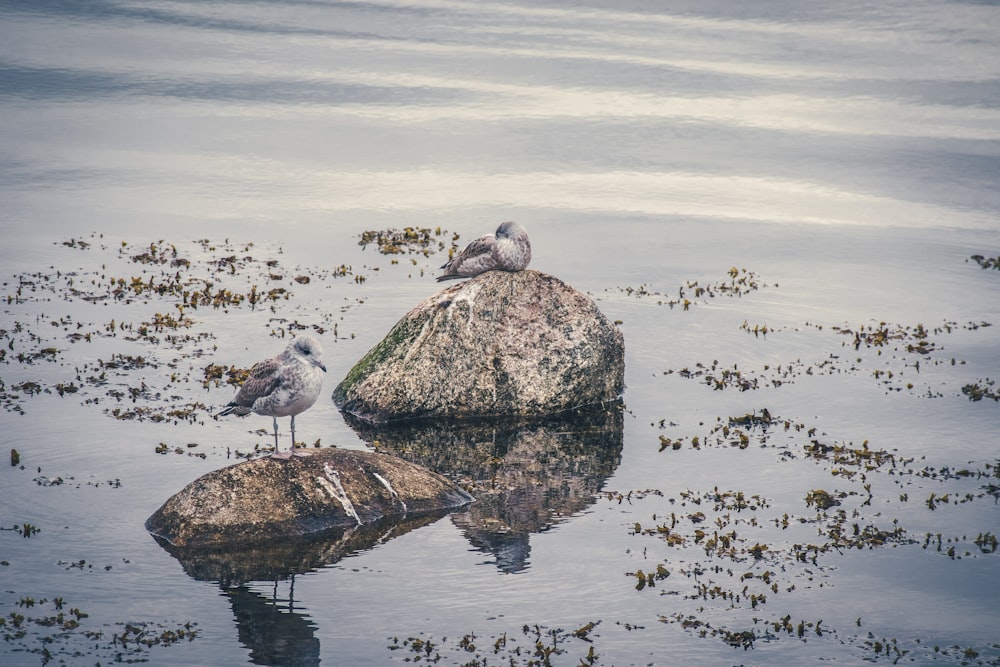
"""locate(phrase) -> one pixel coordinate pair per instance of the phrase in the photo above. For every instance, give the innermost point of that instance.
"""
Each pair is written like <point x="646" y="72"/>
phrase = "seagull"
<point x="506" y="250"/>
<point x="281" y="386"/>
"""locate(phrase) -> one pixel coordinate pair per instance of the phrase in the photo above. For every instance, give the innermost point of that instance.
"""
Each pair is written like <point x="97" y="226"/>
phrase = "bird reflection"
<point x="271" y="628"/>
<point x="274" y="631"/>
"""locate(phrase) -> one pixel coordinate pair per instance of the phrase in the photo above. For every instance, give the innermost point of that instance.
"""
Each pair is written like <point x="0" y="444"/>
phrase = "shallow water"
<point x="843" y="159"/>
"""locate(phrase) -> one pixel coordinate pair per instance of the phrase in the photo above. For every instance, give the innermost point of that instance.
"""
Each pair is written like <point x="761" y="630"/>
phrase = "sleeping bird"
<point x="506" y="250"/>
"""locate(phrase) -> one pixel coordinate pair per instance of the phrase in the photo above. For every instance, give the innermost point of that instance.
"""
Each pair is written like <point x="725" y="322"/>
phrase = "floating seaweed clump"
<point x="741" y="282"/>
<point x="758" y="330"/>
<point x="720" y="378"/>
<point x="977" y="391"/>
<point x="159" y="252"/>
<point x="846" y="458"/>
<point x="164" y="448"/>
<point x="77" y="243"/>
<point x="126" y="362"/>
<point x="644" y="579"/>
<point x="29" y="388"/>
<point x="419" y="240"/>
<point x="737" y="639"/>
<point x="884" y="334"/>
<point x="986" y="262"/>
<point x="190" y="413"/>
<point x="738" y="431"/>
<point x="532" y="644"/>
<point x="215" y="373"/>
<point x="917" y="337"/>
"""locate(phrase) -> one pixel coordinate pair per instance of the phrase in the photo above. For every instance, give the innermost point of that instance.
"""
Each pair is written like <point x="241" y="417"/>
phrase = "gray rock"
<point x="501" y="344"/>
<point x="264" y="499"/>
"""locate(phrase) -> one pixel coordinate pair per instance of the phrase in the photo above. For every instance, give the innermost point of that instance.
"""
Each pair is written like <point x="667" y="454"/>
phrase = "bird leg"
<point x="294" y="451"/>
<point x="290" y="453"/>
<point x="278" y="454"/>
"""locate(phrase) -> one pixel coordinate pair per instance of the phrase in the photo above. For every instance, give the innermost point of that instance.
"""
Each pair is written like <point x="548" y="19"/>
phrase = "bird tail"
<point x="450" y="276"/>
<point x="233" y="408"/>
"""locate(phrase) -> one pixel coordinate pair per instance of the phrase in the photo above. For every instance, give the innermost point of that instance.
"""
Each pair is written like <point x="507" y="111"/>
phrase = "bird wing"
<point x="475" y="258"/>
<point x="262" y="381"/>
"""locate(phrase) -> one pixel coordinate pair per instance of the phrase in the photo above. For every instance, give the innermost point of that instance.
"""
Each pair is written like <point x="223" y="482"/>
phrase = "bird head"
<point x="510" y="230"/>
<point x="309" y="350"/>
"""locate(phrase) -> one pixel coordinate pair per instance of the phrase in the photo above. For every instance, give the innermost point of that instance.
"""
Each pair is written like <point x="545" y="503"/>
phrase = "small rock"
<point x="265" y="499"/>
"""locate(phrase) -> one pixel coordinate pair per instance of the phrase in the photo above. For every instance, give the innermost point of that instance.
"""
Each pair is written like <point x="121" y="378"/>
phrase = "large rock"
<point x="264" y="499"/>
<point x="504" y="344"/>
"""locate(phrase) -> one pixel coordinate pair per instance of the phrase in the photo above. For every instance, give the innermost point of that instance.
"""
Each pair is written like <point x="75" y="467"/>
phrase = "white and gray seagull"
<point x="282" y="386"/>
<point x="506" y="250"/>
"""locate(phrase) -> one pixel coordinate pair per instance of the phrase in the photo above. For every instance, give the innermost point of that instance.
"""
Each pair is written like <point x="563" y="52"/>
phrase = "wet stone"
<point x="500" y="344"/>
<point x="265" y="499"/>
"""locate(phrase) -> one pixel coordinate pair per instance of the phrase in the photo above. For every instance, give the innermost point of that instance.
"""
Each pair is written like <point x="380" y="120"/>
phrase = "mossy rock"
<point x="501" y="344"/>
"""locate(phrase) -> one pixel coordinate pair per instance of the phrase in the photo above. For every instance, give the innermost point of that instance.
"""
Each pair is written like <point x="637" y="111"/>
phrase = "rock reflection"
<point x="275" y="632"/>
<point x="526" y="477"/>
<point x="278" y="560"/>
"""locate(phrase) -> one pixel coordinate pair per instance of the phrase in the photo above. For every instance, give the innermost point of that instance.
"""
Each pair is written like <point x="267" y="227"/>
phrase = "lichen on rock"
<point x="501" y="344"/>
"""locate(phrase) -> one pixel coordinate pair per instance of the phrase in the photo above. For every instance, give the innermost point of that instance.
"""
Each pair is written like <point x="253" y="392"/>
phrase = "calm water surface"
<point x="841" y="159"/>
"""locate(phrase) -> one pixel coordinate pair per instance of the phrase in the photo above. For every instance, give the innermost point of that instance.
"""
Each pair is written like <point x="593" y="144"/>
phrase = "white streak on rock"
<point x="392" y="491"/>
<point x="467" y="295"/>
<point x="331" y="483"/>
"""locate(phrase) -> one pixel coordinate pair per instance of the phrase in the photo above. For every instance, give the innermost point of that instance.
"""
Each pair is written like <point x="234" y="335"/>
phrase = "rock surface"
<point x="501" y="344"/>
<point x="264" y="499"/>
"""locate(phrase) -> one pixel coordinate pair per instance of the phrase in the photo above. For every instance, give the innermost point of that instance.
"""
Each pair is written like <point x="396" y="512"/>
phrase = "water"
<point x="843" y="158"/>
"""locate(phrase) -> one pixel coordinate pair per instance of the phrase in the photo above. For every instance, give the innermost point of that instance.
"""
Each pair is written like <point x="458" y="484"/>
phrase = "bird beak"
<point x="321" y="366"/>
